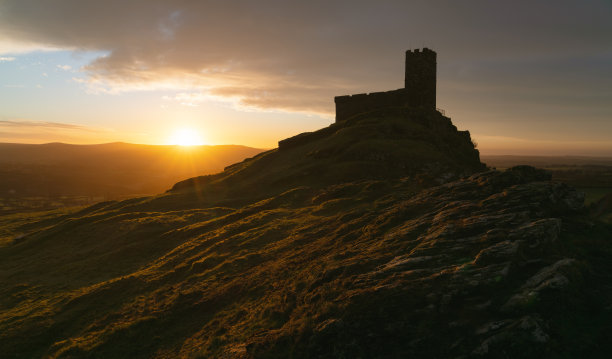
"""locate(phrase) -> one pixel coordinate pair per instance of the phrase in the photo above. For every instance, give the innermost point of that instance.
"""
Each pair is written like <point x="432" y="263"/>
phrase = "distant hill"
<point x="591" y="175"/>
<point x="383" y="236"/>
<point x="110" y="170"/>
<point x="507" y="161"/>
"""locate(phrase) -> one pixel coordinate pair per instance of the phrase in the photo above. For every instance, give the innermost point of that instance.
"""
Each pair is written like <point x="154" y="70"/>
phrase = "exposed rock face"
<point x="474" y="258"/>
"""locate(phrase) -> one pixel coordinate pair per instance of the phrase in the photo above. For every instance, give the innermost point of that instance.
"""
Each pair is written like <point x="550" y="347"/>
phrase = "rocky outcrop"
<point x="475" y="260"/>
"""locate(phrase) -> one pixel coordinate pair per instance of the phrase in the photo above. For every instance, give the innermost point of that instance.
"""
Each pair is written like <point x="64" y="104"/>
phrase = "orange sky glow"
<point x="523" y="78"/>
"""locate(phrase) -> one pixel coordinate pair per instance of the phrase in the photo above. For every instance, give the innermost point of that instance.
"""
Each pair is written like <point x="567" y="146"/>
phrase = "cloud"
<point x="6" y="59"/>
<point x="293" y="55"/>
<point x="64" y="67"/>
<point x="28" y="124"/>
<point x="28" y="131"/>
<point x="14" y="46"/>
<point x="187" y="99"/>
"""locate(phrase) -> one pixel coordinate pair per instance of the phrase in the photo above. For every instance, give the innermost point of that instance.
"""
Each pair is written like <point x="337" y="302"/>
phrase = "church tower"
<point x="419" y="90"/>
<point x="420" y="78"/>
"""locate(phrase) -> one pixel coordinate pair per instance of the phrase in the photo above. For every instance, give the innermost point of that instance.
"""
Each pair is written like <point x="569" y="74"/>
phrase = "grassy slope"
<point x="273" y="277"/>
<point x="274" y="257"/>
<point x="14" y="226"/>
<point x="193" y="265"/>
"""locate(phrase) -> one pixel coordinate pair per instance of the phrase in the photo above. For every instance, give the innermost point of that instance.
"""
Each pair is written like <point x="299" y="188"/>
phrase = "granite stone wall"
<point x="419" y="90"/>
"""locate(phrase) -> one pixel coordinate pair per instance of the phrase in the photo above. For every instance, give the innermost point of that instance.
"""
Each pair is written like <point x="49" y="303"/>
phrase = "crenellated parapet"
<point x="419" y="89"/>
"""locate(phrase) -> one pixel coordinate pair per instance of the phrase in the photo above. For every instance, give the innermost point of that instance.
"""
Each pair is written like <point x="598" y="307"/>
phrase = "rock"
<point x="548" y="278"/>
<point x="507" y="331"/>
<point x="502" y="250"/>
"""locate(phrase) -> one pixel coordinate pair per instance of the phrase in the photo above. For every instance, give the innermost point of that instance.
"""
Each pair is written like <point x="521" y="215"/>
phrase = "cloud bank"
<point x="28" y="125"/>
<point x="296" y="55"/>
<point x="28" y="131"/>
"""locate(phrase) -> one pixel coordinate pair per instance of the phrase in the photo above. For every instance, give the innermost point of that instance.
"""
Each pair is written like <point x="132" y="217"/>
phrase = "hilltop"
<point x="420" y="146"/>
<point x="381" y="236"/>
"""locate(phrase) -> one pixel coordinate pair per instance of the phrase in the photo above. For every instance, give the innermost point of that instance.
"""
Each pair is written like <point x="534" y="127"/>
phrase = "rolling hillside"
<point x="379" y="237"/>
<point x="92" y="173"/>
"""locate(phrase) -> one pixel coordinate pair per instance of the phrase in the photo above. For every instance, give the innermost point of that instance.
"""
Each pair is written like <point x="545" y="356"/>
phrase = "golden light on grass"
<point x="186" y="137"/>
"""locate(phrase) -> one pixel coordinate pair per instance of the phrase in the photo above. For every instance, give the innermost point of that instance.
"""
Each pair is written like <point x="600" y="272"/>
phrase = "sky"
<point x="524" y="77"/>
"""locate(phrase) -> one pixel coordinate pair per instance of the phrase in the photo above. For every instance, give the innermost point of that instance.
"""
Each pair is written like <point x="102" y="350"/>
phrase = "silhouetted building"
<point x="419" y="89"/>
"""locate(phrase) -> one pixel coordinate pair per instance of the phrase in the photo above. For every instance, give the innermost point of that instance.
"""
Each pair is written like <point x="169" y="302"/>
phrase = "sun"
<point x="186" y="137"/>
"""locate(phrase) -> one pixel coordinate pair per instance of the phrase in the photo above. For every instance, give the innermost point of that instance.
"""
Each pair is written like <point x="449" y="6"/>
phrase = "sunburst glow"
<point x="186" y="137"/>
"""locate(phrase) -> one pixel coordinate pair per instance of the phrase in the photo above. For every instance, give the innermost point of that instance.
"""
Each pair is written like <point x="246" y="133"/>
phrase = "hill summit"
<point x="418" y="145"/>
<point x="381" y="135"/>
